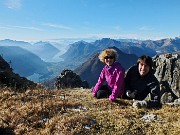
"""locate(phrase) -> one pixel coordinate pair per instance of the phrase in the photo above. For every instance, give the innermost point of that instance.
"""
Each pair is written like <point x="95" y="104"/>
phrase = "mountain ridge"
<point x="79" y="52"/>
<point x="23" y="62"/>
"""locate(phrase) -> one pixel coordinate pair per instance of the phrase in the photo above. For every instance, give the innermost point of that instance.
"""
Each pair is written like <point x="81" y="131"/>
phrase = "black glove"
<point x="131" y="94"/>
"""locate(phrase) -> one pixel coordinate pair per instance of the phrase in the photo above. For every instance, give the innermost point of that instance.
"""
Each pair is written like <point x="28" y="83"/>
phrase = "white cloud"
<point x="57" y="26"/>
<point x="113" y="36"/>
<point x="13" y="4"/>
<point x="20" y="27"/>
<point x="118" y="28"/>
<point x="31" y="28"/>
<point x="145" y="28"/>
<point x="6" y="28"/>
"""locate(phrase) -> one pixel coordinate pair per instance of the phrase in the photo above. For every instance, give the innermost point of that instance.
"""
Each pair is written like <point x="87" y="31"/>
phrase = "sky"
<point x="53" y="20"/>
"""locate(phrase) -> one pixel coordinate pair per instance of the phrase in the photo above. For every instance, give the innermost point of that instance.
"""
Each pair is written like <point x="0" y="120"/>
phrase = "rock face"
<point x="69" y="79"/>
<point x="168" y="74"/>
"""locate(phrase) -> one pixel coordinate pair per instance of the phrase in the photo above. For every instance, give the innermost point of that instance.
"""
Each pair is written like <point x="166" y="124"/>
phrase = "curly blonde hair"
<point x="107" y="52"/>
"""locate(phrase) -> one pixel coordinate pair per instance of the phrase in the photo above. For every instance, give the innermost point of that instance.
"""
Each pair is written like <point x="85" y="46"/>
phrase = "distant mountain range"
<point x="10" y="79"/>
<point x="45" y="50"/>
<point x="45" y="59"/>
<point x="23" y="62"/>
<point x="80" y="51"/>
<point x="32" y="60"/>
<point x="138" y="47"/>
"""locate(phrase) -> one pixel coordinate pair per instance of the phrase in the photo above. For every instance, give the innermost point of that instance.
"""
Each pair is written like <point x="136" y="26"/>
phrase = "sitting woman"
<point x="141" y="82"/>
<point x="112" y="74"/>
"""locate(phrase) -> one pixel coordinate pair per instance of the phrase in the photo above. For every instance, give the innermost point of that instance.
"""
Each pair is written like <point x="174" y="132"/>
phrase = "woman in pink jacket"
<point x="111" y="80"/>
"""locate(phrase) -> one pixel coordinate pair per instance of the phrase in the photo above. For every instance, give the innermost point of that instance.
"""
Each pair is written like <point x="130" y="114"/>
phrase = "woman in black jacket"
<point x="140" y="81"/>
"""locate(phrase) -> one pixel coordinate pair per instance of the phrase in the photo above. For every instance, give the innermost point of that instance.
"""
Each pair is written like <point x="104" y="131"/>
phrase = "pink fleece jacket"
<point x="114" y="75"/>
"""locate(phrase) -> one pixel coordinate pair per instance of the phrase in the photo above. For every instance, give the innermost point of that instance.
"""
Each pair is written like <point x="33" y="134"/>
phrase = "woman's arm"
<point x="99" y="82"/>
<point x="118" y="87"/>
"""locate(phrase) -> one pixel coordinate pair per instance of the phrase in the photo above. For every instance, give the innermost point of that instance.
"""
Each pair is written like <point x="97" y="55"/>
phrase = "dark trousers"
<point x="103" y="92"/>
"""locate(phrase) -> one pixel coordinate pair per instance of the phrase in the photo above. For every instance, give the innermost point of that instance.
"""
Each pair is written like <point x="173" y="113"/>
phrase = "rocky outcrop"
<point x="168" y="74"/>
<point x="9" y="79"/>
<point x="69" y="79"/>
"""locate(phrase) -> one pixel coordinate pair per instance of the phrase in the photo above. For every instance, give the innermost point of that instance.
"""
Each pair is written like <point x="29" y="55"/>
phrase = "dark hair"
<point x="148" y="60"/>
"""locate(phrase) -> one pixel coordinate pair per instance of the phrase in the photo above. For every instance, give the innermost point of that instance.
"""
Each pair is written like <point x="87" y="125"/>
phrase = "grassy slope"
<point x="75" y="111"/>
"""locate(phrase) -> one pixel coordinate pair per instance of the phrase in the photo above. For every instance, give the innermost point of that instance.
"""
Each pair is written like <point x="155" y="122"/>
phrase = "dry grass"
<point x="75" y="112"/>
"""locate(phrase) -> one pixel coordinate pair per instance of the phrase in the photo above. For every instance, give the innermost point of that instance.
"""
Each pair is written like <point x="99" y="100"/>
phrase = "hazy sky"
<point x="32" y="20"/>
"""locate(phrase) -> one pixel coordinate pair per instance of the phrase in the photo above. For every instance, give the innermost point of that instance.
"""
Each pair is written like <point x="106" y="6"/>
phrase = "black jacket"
<point x="143" y="86"/>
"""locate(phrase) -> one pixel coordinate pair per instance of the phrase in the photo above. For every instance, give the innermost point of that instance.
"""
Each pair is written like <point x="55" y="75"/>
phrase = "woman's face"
<point x="143" y="68"/>
<point x="109" y="60"/>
